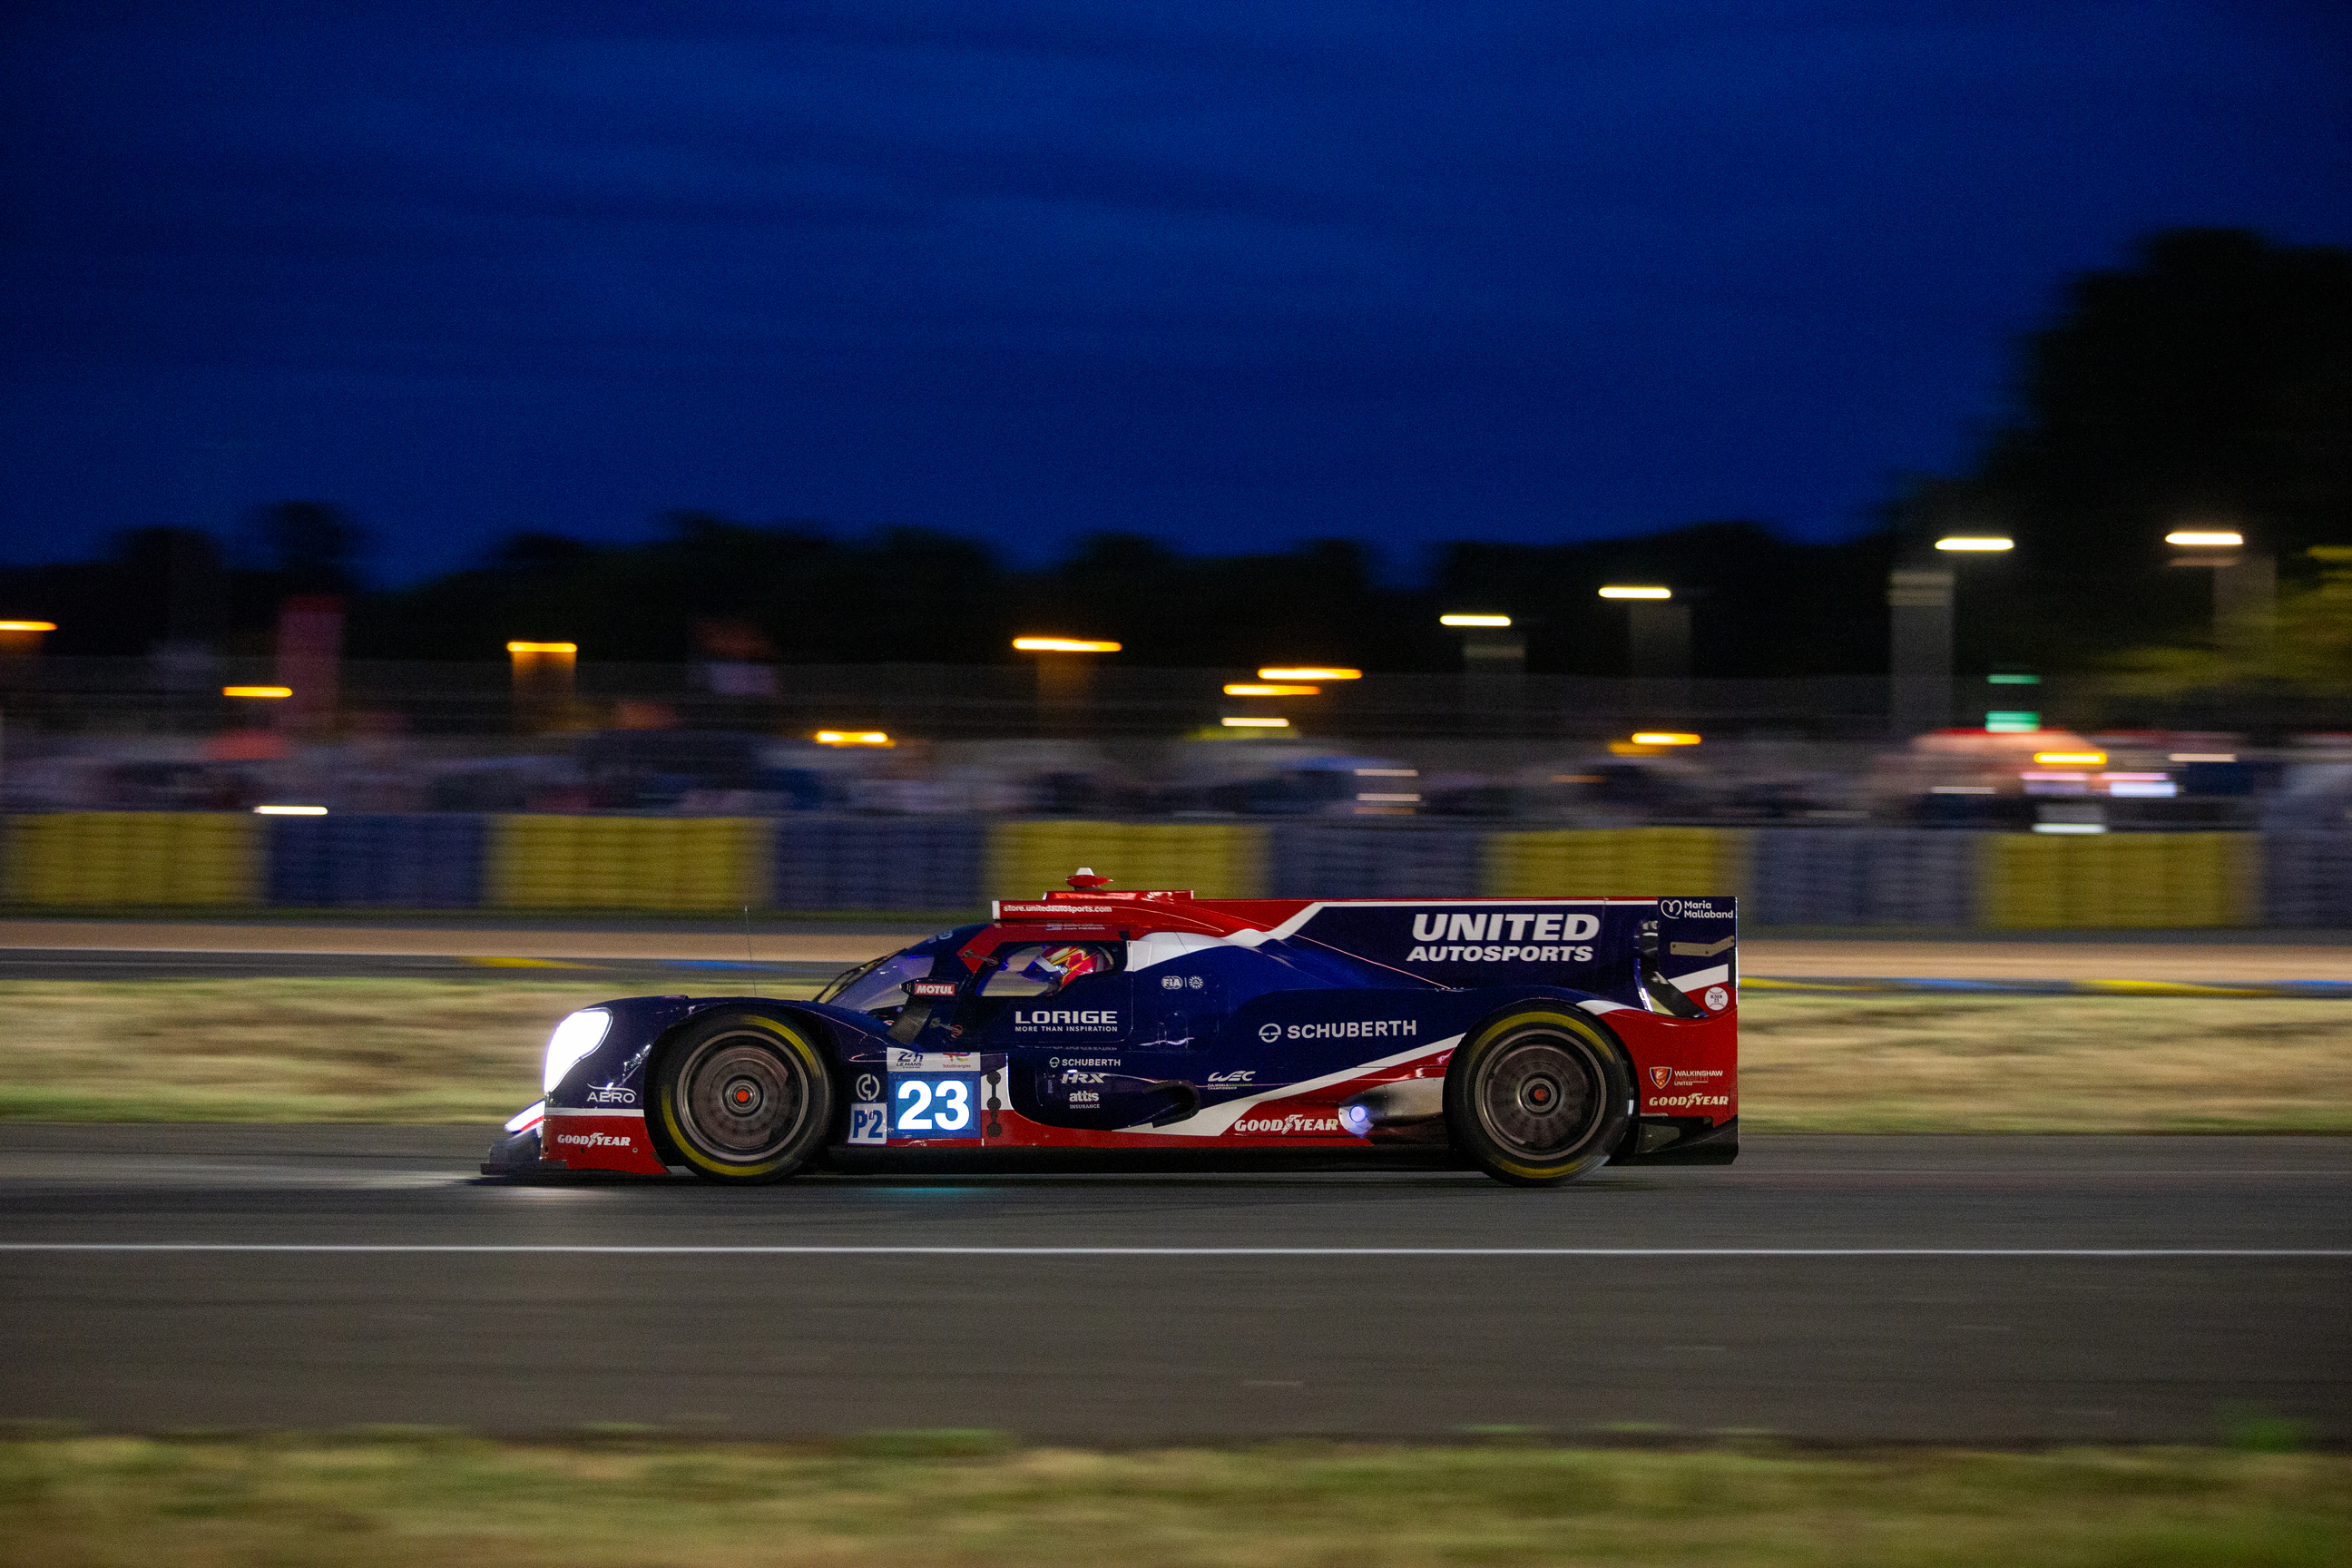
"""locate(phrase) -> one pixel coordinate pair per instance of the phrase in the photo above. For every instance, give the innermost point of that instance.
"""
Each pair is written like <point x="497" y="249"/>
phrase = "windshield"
<point x="871" y="987"/>
<point x="881" y="985"/>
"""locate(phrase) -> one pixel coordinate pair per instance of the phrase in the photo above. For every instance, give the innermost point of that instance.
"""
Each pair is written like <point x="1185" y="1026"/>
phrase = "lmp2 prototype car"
<point x="1535" y="1038"/>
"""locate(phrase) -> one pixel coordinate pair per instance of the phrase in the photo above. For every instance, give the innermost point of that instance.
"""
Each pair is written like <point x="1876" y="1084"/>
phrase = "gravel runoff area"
<point x="394" y="1496"/>
<point x="432" y="1050"/>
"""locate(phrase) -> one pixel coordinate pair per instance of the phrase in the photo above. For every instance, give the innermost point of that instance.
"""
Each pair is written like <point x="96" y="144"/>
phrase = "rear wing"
<point x="1660" y="952"/>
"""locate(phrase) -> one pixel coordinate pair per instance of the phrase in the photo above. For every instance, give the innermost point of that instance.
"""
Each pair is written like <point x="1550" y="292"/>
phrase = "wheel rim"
<point x="739" y="1101"/>
<point x="1538" y="1097"/>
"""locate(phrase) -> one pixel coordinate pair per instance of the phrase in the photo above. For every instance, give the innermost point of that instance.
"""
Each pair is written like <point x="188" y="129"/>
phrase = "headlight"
<point x="574" y="1037"/>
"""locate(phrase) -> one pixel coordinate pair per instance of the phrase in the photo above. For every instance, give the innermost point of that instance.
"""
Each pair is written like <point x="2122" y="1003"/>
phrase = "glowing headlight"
<point x="574" y="1037"/>
<point x="531" y="1115"/>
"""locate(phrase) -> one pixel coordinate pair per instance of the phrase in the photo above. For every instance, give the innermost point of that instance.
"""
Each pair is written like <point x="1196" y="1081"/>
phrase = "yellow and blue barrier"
<point x="1824" y="878"/>
<point x="134" y="859"/>
<point x="1216" y="860"/>
<point x="1618" y="860"/>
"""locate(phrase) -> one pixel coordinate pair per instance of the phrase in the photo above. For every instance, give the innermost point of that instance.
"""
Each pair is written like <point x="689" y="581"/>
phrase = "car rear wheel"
<point x="1538" y="1096"/>
<point x="743" y="1098"/>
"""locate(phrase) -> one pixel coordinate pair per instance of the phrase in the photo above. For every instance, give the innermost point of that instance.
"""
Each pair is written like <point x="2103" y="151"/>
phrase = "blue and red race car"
<point x="1536" y="1038"/>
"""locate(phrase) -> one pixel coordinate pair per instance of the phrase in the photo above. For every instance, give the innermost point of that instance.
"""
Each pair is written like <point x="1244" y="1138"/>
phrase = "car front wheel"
<point x="743" y="1098"/>
<point x="1538" y="1096"/>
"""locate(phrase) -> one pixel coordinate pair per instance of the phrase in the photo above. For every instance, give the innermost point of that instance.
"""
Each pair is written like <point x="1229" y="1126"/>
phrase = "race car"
<point x="1534" y="1038"/>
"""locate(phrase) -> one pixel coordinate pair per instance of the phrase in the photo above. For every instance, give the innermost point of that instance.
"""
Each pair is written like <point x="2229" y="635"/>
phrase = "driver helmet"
<point x="1065" y="964"/>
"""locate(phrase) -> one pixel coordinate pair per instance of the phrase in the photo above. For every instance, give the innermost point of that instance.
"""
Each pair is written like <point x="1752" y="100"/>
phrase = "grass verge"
<point x="408" y="1498"/>
<point x="445" y="1050"/>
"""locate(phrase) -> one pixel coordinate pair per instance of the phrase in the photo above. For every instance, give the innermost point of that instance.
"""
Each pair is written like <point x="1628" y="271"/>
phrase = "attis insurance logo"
<point x="1662" y="1077"/>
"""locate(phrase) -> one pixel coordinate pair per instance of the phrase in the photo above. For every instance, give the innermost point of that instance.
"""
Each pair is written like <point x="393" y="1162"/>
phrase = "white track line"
<point x="797" y="1251"/>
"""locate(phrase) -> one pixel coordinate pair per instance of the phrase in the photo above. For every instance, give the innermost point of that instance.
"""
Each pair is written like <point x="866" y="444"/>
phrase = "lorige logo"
<point x="1066" y="1020"/>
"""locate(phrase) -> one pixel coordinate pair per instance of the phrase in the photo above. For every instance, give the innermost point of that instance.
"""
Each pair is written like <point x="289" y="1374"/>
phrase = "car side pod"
<point x="1409" y="1111"/>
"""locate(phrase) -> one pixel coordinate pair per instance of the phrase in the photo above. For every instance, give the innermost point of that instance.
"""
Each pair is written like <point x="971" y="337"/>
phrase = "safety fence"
<point x="589" y="863"/>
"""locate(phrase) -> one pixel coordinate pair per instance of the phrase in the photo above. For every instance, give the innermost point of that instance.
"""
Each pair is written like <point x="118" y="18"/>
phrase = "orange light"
<point x="2073" y="759"/>
<point x="853" y="738"/>
<point x="28" y="626"/>
<point x="1665" y="738"/>
<point x="542" y="648"/>
<point x="257" y="691"/>
<point x="1305" y="672"/>
<point x="1259" y="688"/>
<point x="1062" y="645"/>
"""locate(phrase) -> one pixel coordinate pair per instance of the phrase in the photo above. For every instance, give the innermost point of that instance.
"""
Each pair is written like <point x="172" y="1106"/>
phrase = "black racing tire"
<point x="744" y="1097"/>
<point x="1539" y="1095"/>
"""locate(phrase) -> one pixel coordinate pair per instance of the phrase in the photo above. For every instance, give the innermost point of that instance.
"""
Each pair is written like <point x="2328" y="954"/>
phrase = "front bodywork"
<point x="1161" y="1022"/>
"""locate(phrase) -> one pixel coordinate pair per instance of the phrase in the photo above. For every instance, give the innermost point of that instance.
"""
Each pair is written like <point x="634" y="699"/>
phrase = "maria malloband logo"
<point x="1692" y="910"/>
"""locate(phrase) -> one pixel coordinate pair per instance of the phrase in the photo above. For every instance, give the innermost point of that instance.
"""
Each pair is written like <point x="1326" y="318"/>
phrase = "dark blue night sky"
<point x="1230" y="274"/>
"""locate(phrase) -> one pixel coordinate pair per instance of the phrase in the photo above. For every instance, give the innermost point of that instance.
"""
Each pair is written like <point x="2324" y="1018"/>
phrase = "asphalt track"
<point x="1979" y="1290"/>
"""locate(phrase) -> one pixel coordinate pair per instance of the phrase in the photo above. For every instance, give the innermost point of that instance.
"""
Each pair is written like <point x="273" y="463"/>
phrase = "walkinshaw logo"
<point x="1662" y="1077"/>
<point x="1296" y="1121"/>
<point x="1692" y="910"/>
<point x="1525" y="937"/>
